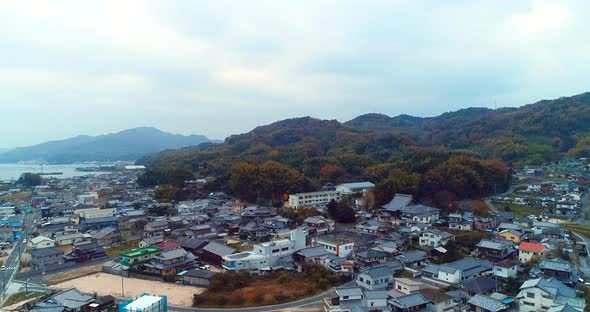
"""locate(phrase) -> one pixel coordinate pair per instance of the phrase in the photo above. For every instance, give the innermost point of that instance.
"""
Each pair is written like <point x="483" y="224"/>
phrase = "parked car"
<point x="205" y="267"/>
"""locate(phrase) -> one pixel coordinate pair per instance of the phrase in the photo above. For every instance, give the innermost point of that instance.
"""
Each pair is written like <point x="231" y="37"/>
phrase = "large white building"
<point x="317" y="200"/>
<point x="91" y="213"/>
<point x="266" y="255"/>
<point x="146" y="303"/>
<point x="88" y="198"/>
<point x="356" y="187"/>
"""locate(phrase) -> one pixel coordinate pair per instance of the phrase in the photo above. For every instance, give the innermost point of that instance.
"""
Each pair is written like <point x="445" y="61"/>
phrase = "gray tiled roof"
<point x="409" y="301"/>
<point x="486" y="303"/>
<point x="348" y="291"/>
<point x="378" y="272"/>
<point x="219" y="249"/>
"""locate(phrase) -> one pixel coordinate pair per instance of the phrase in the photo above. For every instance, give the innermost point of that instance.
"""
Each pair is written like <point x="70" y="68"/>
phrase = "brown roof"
<point x="434" y="295"/>
<point x="507" y="263"/>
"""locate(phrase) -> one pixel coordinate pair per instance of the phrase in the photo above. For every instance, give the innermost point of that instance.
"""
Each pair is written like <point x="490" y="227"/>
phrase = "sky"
<point x="224" y="67"/>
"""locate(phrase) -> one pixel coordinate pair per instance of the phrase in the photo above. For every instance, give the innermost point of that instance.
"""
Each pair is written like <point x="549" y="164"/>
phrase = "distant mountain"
<point x="130" y="144"/>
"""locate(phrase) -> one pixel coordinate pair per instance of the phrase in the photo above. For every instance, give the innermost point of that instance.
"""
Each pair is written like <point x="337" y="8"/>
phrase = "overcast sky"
<point x="223" y="67"/>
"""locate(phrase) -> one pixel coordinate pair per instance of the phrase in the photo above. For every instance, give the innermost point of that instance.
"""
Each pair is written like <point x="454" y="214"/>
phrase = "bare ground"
<point x="107" y="284"/>
<point x="73" y="274"/>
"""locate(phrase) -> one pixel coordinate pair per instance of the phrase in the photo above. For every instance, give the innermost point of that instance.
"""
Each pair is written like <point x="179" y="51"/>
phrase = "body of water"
<point x="14" y="171"/>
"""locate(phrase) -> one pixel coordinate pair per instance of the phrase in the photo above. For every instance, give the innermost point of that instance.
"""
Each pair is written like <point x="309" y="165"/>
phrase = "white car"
<point x="205" y="267"/>
<point x="3" y="268"/>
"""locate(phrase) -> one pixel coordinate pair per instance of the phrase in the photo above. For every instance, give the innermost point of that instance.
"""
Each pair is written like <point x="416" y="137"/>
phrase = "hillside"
<point x="125" y="145"/>
<point x="459" y="152"/>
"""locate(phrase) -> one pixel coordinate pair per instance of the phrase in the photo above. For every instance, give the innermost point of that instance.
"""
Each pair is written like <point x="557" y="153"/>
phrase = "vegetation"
<point x="298" y="215"/>
<point x="165" y="175"/>
<point x="236" y="290"/>
<point x="21" y="296"/>
<point x="341" y="212"/>
<point x="114" y="251"/>
<point x="456" y="155"/>
<point x="30" y="179"/>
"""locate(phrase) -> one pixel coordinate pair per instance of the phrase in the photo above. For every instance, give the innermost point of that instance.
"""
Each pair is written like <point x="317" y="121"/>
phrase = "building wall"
<point x="525" y="256"/>
<point x="527" y="304"/>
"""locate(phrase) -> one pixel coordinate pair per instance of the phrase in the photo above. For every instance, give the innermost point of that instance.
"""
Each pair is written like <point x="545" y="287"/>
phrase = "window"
<point x="285" y="248"/>
<point x="530" y="295"/>
<point x="528" y="303"/>
<point x="275" y="250"/>
<point x="399" y="287"/>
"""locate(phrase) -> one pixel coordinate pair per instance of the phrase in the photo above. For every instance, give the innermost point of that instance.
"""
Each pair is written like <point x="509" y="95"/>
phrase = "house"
<point x="458" y="222"/>
<point x="403" y="207"/>
<point x="155" y="228"/>
<point x="413" y="260"/>
<point x="139" y="256"/>
<point x="85" y="250"/>
<point x="340" y="248"/>
<point x="543" y="294"/>
<point x="98" y="223"/>
<point x="353" y="188"/>
<point x="167" y="245"/>
<point x="44" y="258"/>
<point x="370" y="257"/>
<point x="511" y="235"/>
<point x="214" y="252"/>
<point x="150" y="241"/>
<point x="265" y="256"/>
<point x="482" y="303"/>
<point x="454" y="272"/>
<point x="192" y="245"/>
<point x="407" y="286"/>
<point x="347" y="299"/>
<point x="319" y="225"/>
<point x="42" y="242"/>
<point x="493" y="250"/>
<point x="528" y="251"/>
<point x="435" y="238"/>
<point x="68" y="238"/>
<point x="482" y="224"/>
<point x="506" y="268"/>
<point x="370" y="226"/>
<point x="562" y="270"/>
<point x="67" y="300"/>
<point x="439" y="302"/>
<point x="480" y="285"/>
<point x="375" y="278"/>
<point x="170" y="262"/>
<point x="198" y="278"/>
<point x="412" y="302"/>
<point x="107" y="236"/>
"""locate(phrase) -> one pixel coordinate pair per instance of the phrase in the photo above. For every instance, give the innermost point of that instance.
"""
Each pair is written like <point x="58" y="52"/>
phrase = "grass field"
<point x="21" y="296"/>
<point x="581" y="229"/>
<point x="521" y="210"/>
<point x="116" y="250"/>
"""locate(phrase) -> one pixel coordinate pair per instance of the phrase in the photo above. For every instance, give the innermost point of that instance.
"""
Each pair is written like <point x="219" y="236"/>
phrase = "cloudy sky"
<point x="223" y="67"/>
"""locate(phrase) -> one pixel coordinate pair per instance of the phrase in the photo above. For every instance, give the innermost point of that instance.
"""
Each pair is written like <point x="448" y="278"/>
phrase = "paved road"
<point x="13" y="260"/>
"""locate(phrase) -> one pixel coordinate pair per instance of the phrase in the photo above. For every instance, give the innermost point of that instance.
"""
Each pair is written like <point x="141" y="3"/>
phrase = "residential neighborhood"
<point x="404" y="256"/>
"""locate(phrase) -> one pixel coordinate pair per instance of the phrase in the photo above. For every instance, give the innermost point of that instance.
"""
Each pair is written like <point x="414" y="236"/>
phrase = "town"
<point x="103" y="243"/>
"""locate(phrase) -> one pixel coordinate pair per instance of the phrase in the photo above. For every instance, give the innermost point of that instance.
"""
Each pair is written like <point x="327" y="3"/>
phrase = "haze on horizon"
<point x="223" y="67"/>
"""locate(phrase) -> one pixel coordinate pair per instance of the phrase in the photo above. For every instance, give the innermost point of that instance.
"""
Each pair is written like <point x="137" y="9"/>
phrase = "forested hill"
<point x="460" y="152"/>
<point x="125" y="145"/>
<point x="531" y="134"/>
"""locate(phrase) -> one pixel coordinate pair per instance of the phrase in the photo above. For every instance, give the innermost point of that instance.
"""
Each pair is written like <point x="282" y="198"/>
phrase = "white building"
<point x="527" y="251"/>
<point x="506" y="268"/>
<point x="91" y="213"/>
<point x="543" y="294"/>
<point x="375" y="278"/>
<point x="146" y="303"/>
<point x="266" y="255"/>
<point x="88" y="198"/>
<point x="318" y="200"/>
<point x="340" y="248"/>
<point x="435" y="238"/>
<point x="6" y="211"/>
<point x="356" y="187"/>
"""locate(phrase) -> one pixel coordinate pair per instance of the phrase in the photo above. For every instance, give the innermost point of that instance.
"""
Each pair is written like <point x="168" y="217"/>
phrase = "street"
<point x="13" y="261"/>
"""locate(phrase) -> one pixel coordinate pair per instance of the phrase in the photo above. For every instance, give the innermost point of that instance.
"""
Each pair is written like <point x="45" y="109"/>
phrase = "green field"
<point x="520" y="210"/>
<point x="21" y="296"/>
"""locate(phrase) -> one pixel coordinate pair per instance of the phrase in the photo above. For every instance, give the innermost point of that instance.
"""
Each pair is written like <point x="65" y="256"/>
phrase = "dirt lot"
<point x="73" y="274"/>
<point x="107" y="284"/>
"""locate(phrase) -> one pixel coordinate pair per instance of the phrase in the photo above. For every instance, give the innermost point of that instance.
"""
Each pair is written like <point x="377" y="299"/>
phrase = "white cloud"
<point x="204" y="65"/>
